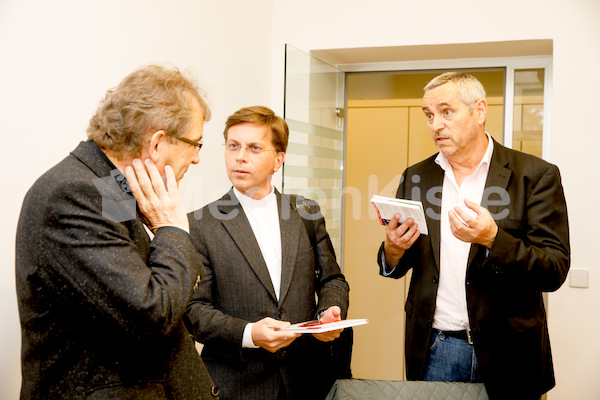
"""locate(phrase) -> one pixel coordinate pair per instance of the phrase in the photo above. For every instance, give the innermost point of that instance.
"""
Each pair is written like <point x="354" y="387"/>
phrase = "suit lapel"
<point x="91" y="155"/>
<point x="434" y="178"/>
<point x="291" y="226"/>
<point x="241" y="232"/>
<point x="498" y="177"/>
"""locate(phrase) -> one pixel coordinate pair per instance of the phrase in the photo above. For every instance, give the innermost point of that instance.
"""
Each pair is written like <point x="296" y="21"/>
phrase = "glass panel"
<point x="528" y="119"/>
<point x="314" y="162"/>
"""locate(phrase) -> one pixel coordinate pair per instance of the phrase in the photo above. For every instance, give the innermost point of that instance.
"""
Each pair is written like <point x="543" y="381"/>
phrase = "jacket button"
<point x="435" y="280"/>
<point x="214" y="391"/>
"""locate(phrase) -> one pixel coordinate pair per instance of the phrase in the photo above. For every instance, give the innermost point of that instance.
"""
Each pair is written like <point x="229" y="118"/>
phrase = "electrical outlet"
<point x="579" y="278"/>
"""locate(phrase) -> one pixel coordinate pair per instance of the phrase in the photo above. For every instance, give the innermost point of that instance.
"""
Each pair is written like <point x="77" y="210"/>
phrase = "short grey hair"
<point x="470" y="90"/>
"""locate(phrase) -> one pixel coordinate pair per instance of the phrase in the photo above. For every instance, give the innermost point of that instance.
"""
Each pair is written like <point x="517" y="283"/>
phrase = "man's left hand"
<point x="481" y="229"/>
<point x="331" y="314"/>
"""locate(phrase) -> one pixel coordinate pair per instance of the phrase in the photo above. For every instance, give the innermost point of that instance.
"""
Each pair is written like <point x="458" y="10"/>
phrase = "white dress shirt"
<point x="263" y="216"/>
<point x="451" y="305"/>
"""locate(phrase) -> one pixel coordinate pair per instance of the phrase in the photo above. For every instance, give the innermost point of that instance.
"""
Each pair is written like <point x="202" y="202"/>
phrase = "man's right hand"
<point x="158" y="201"/>
<point x="398" y="239"/>
<point x="265" y="335"/>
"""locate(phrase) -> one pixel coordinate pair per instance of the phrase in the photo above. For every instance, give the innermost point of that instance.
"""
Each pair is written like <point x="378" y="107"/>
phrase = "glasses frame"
<point x="198" y="144"/>
<point x="249" y="149"/>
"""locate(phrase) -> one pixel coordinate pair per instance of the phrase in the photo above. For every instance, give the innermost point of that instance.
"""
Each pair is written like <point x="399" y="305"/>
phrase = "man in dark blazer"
<point x="498" y="238"/>
<point x="261" y="275"/>
<point x="102" y="285"/>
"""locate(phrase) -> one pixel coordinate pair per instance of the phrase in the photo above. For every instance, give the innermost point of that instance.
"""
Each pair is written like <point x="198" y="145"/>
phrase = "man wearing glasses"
<point x="260" y="275"/>
<point x="104" y="276"/>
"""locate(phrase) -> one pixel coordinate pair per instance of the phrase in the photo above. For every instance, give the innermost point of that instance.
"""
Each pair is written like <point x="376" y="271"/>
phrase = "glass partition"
<point x="314" y="110"/>
<point x="528" y="114"/>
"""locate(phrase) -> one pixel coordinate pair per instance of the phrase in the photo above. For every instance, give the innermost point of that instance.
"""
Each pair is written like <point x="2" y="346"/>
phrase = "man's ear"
<point x="157" y="140"/>
<point x="279" y="161"/>
<point x="481" y="109"/>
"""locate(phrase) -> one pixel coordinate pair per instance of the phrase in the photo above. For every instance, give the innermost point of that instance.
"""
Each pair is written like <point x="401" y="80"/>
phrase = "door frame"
<point x="510" y="64"/>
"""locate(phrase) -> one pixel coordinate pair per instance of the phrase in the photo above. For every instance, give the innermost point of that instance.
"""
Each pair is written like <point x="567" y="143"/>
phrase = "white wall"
<point x="58" y="58"/>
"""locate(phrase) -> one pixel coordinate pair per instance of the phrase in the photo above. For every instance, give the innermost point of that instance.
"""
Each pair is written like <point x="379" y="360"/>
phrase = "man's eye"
<point x="429" y="116"/>
<point x="256" y="149"/>
<point x="447" y="112"/>
<point x="234" y="146"/>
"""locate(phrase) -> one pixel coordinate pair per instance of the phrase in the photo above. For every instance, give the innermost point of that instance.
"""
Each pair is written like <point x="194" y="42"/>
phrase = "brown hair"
<point x="262" y="116"/>
<point x="150" y="98"/>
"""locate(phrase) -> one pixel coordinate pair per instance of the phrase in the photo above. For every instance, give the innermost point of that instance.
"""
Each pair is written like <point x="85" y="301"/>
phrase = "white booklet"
<point x="319" y="327"/>
<point x="386" y="207"/>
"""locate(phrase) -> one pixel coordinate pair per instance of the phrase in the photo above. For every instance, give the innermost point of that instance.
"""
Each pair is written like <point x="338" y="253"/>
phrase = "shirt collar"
<point x="443" y="162"/>
<point x="250" y="203"/>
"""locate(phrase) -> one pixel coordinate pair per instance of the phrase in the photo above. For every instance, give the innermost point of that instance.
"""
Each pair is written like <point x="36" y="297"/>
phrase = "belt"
<point x="464" y="334"/>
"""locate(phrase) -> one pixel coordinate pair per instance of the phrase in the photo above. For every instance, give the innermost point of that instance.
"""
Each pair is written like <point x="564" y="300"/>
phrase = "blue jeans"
<point x="451" y="360"/>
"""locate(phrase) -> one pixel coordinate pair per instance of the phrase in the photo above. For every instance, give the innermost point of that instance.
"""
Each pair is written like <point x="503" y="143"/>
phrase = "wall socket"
<point x="579" y="278"/>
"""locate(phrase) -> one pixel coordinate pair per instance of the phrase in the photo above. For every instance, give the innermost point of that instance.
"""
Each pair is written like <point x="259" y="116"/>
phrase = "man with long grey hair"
<point x="105" y="264"/>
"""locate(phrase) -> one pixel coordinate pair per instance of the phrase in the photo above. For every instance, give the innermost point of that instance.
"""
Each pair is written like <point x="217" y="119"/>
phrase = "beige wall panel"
<point x="420" y="143"/>
<point x="494" y="122"/>
<point x="376" y="155"/>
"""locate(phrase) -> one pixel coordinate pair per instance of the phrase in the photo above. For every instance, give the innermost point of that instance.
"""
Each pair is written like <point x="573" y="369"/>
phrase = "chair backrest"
<point x="351" y="389"/>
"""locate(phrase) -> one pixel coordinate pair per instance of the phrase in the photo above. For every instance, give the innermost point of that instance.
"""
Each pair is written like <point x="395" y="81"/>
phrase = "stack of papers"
<point x="319" y="327"/>
<point x="387" y="207"/>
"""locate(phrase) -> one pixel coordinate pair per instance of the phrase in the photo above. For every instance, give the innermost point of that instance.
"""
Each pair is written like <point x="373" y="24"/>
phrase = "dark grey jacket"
<point x="237" y="289"/>
<point x="102" y="305"/>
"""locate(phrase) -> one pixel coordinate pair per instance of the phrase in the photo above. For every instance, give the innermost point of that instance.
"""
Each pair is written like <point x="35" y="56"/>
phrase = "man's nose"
<point x="242" y="153"/>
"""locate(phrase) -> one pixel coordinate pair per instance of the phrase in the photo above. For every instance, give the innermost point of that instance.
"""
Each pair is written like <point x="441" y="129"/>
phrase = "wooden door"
<point x="375" y="158"/>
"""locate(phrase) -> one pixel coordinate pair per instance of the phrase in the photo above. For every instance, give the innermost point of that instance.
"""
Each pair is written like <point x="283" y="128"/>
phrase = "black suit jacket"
<point x="530" y="255"/>
<point x="237" y="290"/>
<point x="101" y="304"/>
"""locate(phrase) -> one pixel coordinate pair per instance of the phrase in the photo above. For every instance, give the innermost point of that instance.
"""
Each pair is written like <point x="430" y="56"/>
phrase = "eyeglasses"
<point x="254" y="150"/>
<point x="198" y="144"/>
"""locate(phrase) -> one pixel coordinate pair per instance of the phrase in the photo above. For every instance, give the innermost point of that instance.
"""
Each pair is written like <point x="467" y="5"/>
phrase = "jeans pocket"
<point x="435" y="340"/>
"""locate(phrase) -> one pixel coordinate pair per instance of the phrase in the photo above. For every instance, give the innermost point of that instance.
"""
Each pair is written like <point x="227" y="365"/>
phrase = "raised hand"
<point x="157" y="199"/>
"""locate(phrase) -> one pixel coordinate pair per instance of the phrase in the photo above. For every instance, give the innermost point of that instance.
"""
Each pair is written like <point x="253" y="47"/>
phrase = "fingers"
<point x="333" y="313"/>
<point x="474" y="206"/>
<point x="158" y="184"/>
<point x="142" y="181"/>
<point x="328" y="336"/>
<point x="159" y="205"/>
<point x="171" y="180"/>
<point x="458" y="215"/>
<point x="480" y="229"/>
<point x="403" y="235"/>
<point x="133" y="183"/>
<point x="266" y="334"/>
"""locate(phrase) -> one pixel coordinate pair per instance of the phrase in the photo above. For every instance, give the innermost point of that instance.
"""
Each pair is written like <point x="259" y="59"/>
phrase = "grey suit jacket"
<point x="530" y="255"/>
<point x="237" y="290"/>
<point x="101" y="305"/>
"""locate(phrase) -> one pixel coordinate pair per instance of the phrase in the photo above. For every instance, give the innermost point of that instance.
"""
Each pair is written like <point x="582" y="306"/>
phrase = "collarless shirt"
<point x="451" y="304"/>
